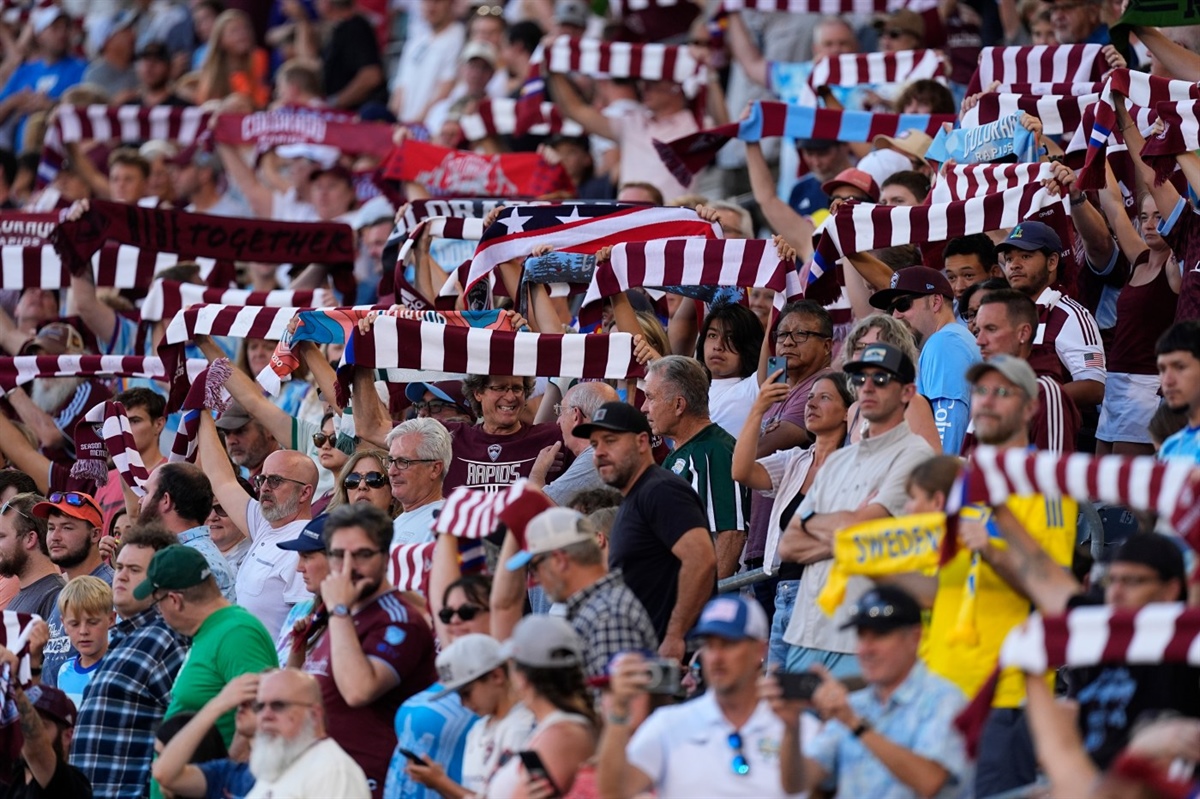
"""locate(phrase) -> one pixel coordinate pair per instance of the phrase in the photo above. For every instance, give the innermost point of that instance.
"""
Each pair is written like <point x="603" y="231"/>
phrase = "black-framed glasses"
<point x="273" y="481"/>
<point x="372" y="479"/>
<point x="464" y="612"/>
<point x="217" y="509"/>
<point x="1000" y="392"/>
<point x="903" y="304"/>
<point x="321" y="439"/>
<point x="433" y="406"/>
<point x="7" y="506"/>
<point x="357" y="555"/>
<point x="797" y="336"/>
<point x="741" y="766"/>
<point x="519" y="390"/>
<point x="404" y="464"/>
<point x="880" y="379"/>
<point x="277" y="705"/>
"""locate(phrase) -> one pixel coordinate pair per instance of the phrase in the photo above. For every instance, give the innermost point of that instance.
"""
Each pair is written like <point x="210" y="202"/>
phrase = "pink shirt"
<point x="640" y="162"/>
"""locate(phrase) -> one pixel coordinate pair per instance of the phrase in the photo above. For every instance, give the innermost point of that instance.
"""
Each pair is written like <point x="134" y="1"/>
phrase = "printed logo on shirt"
<point x="494" y="451"/>
<point x="677" y="467"/>
<point x="493" y="476"/>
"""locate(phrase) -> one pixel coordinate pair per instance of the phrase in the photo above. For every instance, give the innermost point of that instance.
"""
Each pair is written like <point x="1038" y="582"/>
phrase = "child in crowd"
<point x="86" y="605"/>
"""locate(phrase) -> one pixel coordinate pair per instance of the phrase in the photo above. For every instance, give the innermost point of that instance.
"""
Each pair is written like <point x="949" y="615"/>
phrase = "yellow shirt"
<point x="1051" y="523"/>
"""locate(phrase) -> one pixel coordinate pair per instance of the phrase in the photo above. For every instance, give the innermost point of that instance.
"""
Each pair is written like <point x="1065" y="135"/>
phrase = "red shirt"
<point x="487" y="461"/>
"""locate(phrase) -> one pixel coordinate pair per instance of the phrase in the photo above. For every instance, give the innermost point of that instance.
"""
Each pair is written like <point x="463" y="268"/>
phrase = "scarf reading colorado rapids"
<point x="102" y="433"/>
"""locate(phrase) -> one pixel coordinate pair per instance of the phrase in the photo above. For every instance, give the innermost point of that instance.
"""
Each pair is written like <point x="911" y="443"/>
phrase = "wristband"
<point x="613" y="718"/>
<point x="1075" y="203"/>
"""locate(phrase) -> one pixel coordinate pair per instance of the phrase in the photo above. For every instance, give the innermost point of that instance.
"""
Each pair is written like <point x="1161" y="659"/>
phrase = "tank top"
<point x="1143" y="314"/>
<point x="505" y="780"/>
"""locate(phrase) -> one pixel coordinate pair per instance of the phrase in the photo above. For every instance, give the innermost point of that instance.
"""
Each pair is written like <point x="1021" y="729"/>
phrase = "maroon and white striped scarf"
<point x="168" y="297"/>
<point x="695" y="262"/>
<point x="1060" y="63"/>
<point x="830" y="7"/>
<point x="204" y="396"/>
<point x="504" y="116"/>
<point x="104" y="433"/>
<point x="1060" y="114"/>
<point x="409" y="566"/>
<point x="601" y="59"/>
<point x="116" y="265"/>
<point x="396" y="343"/>
<point x="1058" y="89"/>
<point x="854" y="69"/>
<point x="15" y="629"/>
<point x="1180" y="134"/>
<point x="964" y="181"/>
<point x="442" y="227"/>
<point x="268" y="129"/>
<point x="473" y="514"/>
<point x="20" y="229"/>
<point x="19" y="370"/>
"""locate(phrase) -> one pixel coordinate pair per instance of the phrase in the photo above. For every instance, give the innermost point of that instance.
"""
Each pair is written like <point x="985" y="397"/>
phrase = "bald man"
<point x="577" y="407"/>
<point x="292" y="754"/>
<point x="267" y="582"/>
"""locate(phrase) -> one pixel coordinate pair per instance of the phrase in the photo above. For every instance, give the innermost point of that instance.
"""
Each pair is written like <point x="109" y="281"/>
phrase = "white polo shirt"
<point x="685" y="750"/>
<point x="267" y="581"/>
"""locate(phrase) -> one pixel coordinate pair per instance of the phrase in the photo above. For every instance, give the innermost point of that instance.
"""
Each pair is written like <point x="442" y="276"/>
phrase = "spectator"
<point x="1178" y="352"/>
<point x="364" y="478"/>
<point x="232" y="542"/>
<point x="377" y="651"/>
<point x="576" y="408"/>
<point x="419" y="455"/>
<point x="111" y="42"/>
<point x="521" y="40"/>
<point x="905" y="188"/>
<point x="861" y="482"/>
<point x="293" y="754"/>
<point x="443" y="401"/>
<point x="167" y="23"/>
<point x="304" y="621"/>
<point x="201" y="183"/>
<point x="728" y="348"/>
<point x="660" y="539"/>
<point x="24" y="557"/>
<point x="234" y="64"/>
<point x="685" y="750"/>
<point x="969" y="260"/>
<point x="155" y="87"/>
<point x="37" y="83"/>
<point x="131" y="689"/>
<point x="427" y="64"/>
<point x="373" y="224"/>
<point x="677" y="408"/>
<point x="47" y="719"/>
<point x="893" y="737"/>
<point x="85" y="605"/>
<point x="1078" y="22"/>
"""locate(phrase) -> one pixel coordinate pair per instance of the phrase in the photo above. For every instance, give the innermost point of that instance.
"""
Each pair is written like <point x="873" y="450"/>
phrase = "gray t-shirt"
<point x="114" y="80"/>
<point x="581" y="475"/>
<point x="39" y="597"/>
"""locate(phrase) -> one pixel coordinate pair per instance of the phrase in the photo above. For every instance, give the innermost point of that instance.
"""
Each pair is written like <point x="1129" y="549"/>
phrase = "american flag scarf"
<point x="168" y="297"/>
<point x="689" y="155"/>
<point x="205" y="395"/>
<point x="115" y="265"/>
<point x="15" y="629"/>
<point x="854" y="69"/>
<point x="582" y="227"/>
<point x="1060" y="114"/>
<point x="268" y="129"/>
<point x="964" y="181"/>
<point x="1180" y="134"/>
<point x="695" y="262"/>
<point x="1141" y="90"/>
<point x="444" y="172"/>
<point x="1058" y="63"/>
<point x="504" y="116"/>
<point x="104" y="433"/>
<point x="19" y="370"/>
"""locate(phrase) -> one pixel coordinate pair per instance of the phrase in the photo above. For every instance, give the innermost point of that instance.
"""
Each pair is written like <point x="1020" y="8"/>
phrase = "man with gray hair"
<point x="577" y="407"/>
<point x="677" y="407"/>
<point x="419" y="453"/>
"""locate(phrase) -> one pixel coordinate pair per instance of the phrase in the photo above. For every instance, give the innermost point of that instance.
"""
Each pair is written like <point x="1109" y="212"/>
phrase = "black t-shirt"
<point x="68" y="782"/>
<point x="658" y="510"/>
<point x="352" y="46"/>
<point x="1113" y="697"/>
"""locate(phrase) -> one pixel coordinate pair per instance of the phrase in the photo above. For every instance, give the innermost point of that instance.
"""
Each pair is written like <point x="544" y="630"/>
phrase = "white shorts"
<point x="1129" y="403"/>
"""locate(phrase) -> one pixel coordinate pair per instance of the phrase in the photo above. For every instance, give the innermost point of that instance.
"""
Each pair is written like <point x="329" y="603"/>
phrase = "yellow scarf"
<point x="966" y="628"/>
<point x="884" y="546"/>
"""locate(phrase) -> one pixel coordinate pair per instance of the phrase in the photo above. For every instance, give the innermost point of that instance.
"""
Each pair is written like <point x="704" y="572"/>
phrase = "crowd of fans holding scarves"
<point x="566" y="399"/>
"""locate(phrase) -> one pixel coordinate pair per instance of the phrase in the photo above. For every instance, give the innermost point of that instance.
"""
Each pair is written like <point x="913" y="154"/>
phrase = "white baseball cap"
<point x="552" y="530"/>
<point x="544" y="642"/>
<point x="466" y="660"/>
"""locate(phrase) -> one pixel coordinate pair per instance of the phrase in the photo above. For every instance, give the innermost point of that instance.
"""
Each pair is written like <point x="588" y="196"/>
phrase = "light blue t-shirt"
<point x="73" y="678"/>
<point x="48" y="79"/>
<point x="435" y="728"/>
<point x="789" y="82"/>
<point x="942" y="379"/>
<point x="58" y="649"/>
<point x="1183" y="444"/>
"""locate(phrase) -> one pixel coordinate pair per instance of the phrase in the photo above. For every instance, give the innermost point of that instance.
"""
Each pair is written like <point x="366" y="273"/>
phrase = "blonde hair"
<point x="85" y="596"/>
<point x="218" y="67"/>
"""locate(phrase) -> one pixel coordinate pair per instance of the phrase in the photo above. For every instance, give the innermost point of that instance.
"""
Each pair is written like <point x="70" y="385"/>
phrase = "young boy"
<point x="86" y="605"/>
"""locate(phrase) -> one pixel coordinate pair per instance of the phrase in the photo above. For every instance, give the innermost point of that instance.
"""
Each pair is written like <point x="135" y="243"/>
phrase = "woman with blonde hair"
<point x="234" y="64"/>
<point x="364" y="478"/>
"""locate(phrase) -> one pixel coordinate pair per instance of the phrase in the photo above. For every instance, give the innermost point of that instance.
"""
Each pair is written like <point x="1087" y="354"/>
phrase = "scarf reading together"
<point x="102" y="433"/>
<point x="879" y="548"/>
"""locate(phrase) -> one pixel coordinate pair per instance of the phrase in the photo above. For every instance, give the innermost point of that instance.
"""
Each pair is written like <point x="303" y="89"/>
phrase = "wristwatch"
<point x="861" y="729"/>
<point x="340" y="610"/>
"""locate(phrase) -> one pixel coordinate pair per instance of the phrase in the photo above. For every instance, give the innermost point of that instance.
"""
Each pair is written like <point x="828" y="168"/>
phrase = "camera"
<point x="665" y="677"/>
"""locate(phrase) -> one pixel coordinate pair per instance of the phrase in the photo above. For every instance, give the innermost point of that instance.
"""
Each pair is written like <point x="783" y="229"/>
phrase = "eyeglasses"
<point x="72" y="498"/>
<point x="1129" y="580"/>
<point x="903" y="304"/>
<point x="358" y="555"/>
<point x="217" y="509"/>
<point x="741" y="766"/>
<point x="845" y="198"/>
<point x="433" y="406"/>
<point x="518" y="390"/>
<point x="321" y="439"/>
<point x="1000" y="392"/>
<point x="465" y="612"/>
<point x="7" y="506"/>
<point x="896" y="33"/>
<point x="277" y="705"/>
<point x="372" y="479"/>
<point x="880" y="379"/>
<point x="797" y="336"/>
<point x="560" y="409"/>
<point x="404" y="464"/>
<point x="273" y="481"/>
<point x="537" y="561"/>
<point x="489" y="11"/>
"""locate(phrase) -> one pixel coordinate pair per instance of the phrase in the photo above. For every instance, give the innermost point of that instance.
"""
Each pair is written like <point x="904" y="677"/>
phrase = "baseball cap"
<point x="919" y="280"/>
<point x="1156" y="551"/>
<point x="1031" y="236"/>
<point x="373" y="211"/>
<point x="903" y="20"/>
<point x="311" y="538"/>
<point x="53" y="702"/>
<point x="855" y="178"/>
<point x="480" y="50"/>
<point x="1015" y="370"/>
<point x="75" y="504"/>
<point x="155" y="50"/>
<point x="175" y="568"/>
<point x="886" y="357"/>
<point x="235" y="417"/>
<point x="335" y="169"/>
<point x="883" y="609"/>
<point x="550" y="531"/>
<point x="465" y="660"/>
<point x="106" y="27"/>
<point x="544" y="642"/>
<point x="734" y="618"/>
<point x="572" y="12"/>
<point x="43" y="18"/>
<point x="321" y="154"/>
<point x="445" y="390"/>
<point x="620" y="417"/>
<point x="913" y="143"/>
<point x="56" y="338"/>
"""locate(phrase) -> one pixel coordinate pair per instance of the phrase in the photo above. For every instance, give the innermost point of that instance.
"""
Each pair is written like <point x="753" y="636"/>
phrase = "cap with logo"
<point x="883" y="609"/>
<point x="572" y="12"/>
<point x="544" y="642"/>
<point x="854" y="178"/>
<point x="53" y="702"/>
<point x="465" y="660"/>
<point x="446" y="390"/>
<point x="173" y="569"/>
<point x="75" y="504"/>
<point x="552" y="530"/>
<point x="1015" y="370"/>
<point x="311" y="538"/>
<point x="619" y="417"/>
<point x="56" y="338"/>
<point x="1031" y="236"/>
<point x="734" y="618"/>
<point x="912" y="281"/>
<point x="886" y="357"/>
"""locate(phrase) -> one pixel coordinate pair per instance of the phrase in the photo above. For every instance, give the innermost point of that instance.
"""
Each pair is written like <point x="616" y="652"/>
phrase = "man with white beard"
<point x="292" y="757"/>
<point x="267" y="583"/>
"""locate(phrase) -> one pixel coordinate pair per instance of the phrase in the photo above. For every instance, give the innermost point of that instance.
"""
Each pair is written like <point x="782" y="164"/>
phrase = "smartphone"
<point x="533" y="765"/>
<point x="413" y="756"/>
<point x="774" y="364"/>
<point x="799" y="686"/>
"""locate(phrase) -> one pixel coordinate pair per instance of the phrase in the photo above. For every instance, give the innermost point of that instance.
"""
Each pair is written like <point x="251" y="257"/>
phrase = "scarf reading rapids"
<point x="882" y="547"/>
<point x="444" y="172"/>
<point x="1058" y="63"/>
<point x="19" y="229"/>
<point x="688" y="156"/>
<point x="204" y="396"/>
<point x="102" y="433"/>
<point x="167" y="297"/>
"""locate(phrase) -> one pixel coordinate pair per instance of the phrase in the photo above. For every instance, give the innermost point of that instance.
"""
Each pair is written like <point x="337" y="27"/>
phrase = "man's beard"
<point x="279" y="509"/>
<point x="51" y="393"/>
<point x="74" y="557"/>
<point x="13" y="566"/>
<point x="272" y="755"/>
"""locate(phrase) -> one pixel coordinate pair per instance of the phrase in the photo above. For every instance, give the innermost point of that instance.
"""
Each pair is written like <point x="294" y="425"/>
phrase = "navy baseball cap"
<point x="912" y="281"/>
<point x="734" y="618"/>
<point x="884" y="608"/>
<point x="1030" y="236"/>
<point x="311" y="538"/>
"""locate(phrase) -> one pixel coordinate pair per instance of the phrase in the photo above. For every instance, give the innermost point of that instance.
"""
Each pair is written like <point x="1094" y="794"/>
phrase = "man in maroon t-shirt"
<point x="377" y="650"/>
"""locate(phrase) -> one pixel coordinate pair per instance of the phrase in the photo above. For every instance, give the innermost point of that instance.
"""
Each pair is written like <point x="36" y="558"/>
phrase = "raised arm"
<point x="38" y="748"/>
<point x="746" y="468"/>
<point x="99" y="317"/>
<point x="1181" y="62"/>
<point x="17" y="449"/>
<point x="11" y="338"/>
<point x="372" y="422"/>
<point x="1025" y="565"/>
<point x="229" y="493"/>
<point x="259" y="197"/>
<point x="797" y="230"/>
<point x="745" y="51"/>
<point x="508" y="592"/>
<point x="567" y="98"/>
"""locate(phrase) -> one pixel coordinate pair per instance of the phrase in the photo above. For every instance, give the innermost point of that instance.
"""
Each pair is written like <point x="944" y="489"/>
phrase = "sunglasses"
<point x="273" y="481"/>
<point x="217" y="509"/>
<point x="277" y="705"/>
<point x="880" y="379"/>
<point x="433" y="406"/>
<point x="465" y="612"/>
<point x="7" y="506"/>
<point x="373" y="480"/>
<point x="489" y="11"/>
<point x="903" y="304"/>
<point x="741" y="766"/>
<point x="72" y="498"/>
<point x="321" y="439"/>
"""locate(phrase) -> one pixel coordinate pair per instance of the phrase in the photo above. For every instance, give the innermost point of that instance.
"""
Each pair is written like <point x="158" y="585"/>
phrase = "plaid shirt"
<point x="125" y="701"/>
<point x="610" y="620"/>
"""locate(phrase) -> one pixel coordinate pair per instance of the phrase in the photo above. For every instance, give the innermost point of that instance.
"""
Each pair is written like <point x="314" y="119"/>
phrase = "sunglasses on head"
<point x="72" y="498"/>
<point x="433" y="406"/>
<point x="465" y="612"/>
<point x="373" y="480"/>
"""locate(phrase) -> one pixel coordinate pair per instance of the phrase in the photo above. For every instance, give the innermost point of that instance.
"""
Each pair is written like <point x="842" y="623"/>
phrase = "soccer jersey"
<point x="73" y="678"/>
<point x="491" y="462"/>
<point x="705" y="461"/>
<point x="1067" y="343"/>
<point x="1184" y="443"/>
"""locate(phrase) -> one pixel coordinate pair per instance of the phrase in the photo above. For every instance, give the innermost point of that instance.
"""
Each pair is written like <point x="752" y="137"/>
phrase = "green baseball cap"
<point x="173" y="569"/>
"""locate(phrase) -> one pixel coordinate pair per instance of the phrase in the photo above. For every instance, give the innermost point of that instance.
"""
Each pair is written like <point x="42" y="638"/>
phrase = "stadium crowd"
<point x="414" y="398"/>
